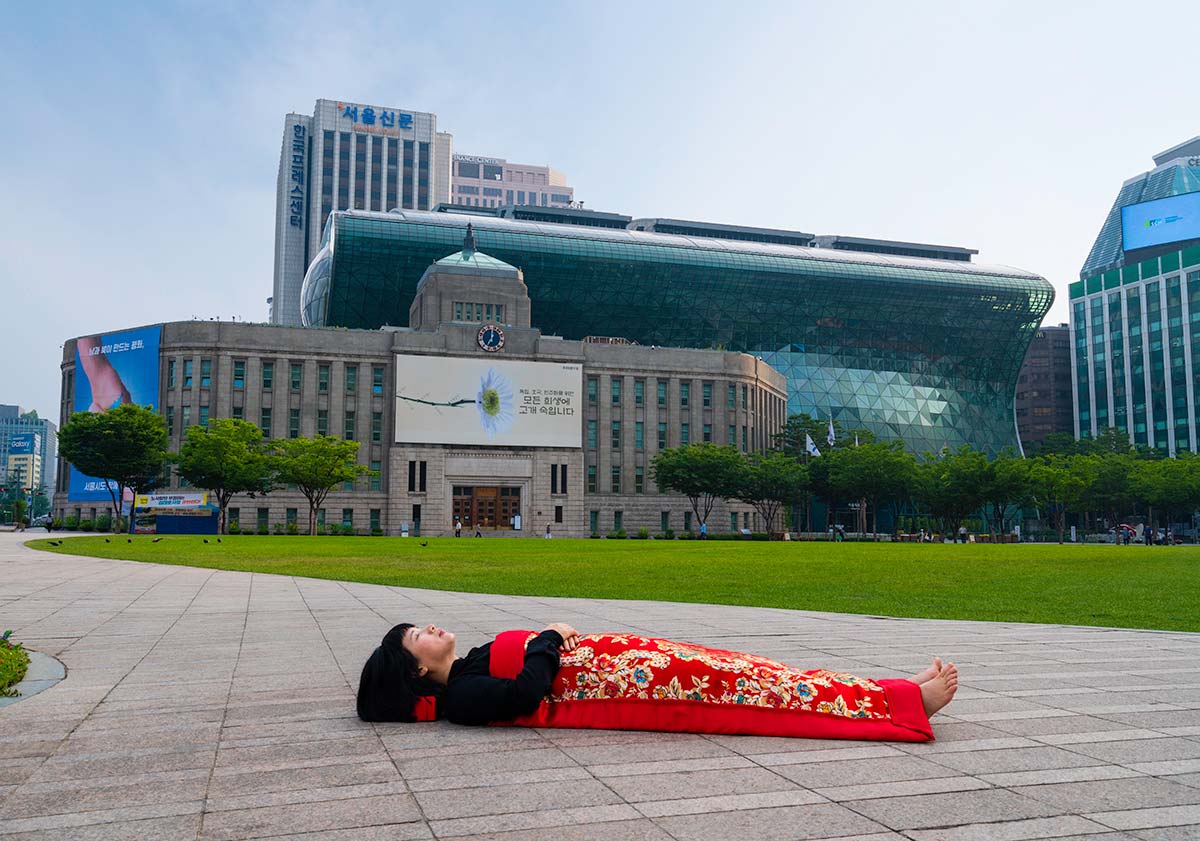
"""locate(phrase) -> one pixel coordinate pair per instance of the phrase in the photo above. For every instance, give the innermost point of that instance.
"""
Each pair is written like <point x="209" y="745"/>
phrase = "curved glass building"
<point x="921" y="350"/>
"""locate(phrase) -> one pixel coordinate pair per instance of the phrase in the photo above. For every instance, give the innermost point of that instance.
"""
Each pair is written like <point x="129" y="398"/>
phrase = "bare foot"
<point x="928" y="674"/>
<point x="938" y="691"/>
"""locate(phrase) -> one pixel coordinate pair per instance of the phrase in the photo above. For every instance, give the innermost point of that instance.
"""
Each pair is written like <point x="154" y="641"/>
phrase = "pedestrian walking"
<point x="548" y="535"/>
<point x="478" y="533"/>
<point x="962" y="533"/>
<point x="704" y="530"/>
<point x="1148" y="535"/>
<point x="458" y="527"/>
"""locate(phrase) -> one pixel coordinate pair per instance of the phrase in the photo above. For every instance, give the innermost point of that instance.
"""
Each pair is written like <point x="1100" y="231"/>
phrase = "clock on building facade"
<point x="490" y="338"/>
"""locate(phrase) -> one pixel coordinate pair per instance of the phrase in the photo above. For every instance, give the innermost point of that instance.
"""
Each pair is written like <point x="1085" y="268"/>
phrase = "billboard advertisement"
<point x="479" y="400"/>
<point x="24" y="444"/>
<point x="112" y="369"/>
<point x="1160" y="221"/>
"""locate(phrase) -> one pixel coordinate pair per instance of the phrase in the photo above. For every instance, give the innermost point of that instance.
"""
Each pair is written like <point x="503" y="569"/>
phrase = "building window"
<point x="348" y="427"/>
<point x="264" y="422"/>
<point x="412" y="477"/>
<point x="618" y="520"/>
<point x="639" y="392"/>
<point x="263" y="518"/>
<point x="558" y="513"/>
<point x="294" y="423"/>
<point x="322" y="421"/>
<point x="616" y="390"/>
<point x="377" y="380"/>
<point x="593" y="389"/>
<point x="268" y="375"/>
<point x="733" y="521"/>
<point x="187" y="373"/>
<point x="662" y="437"/>
<point x="591" y="435"/>
<point x="745" y="439"/>
<point x="238" y="413"/>
<point x="204" y="416"/>
<point x="233" y="515"/>
<point x="616" y="478"/>
<point x="745" y="391"/>
<point x="639" y="479"/>
<point x="323" y="379"/>
<point x="685" y="393"/>
<point x="733" y="397"/>
<point x="732" y="435"/>
<point x="683" y="434"/>
<point x="687" y="520"/>
<point x="664" y="521"/>
<point x="707" y="395"/>
<point x="376" y="426"/>
<point x="239" y="374"/>
<point x="639" y="436"/>
<point x="170" y="373"/>
<point x="347" y="518"/>
<point x="297" y="376"/>
<point x="377" y="479"/>
<point x="562" y="478"/>
<point x="290" y="515"/>
<point x="554" y="478"/>
<point x="375" y="527"/>
<point x="170" y="420"/>
<point x="616" y="435"/>
<point x="205" y="373"/>
<point x="594" y="521"/>
<point x="708" y="433"/>
<point x="591" y="478"/>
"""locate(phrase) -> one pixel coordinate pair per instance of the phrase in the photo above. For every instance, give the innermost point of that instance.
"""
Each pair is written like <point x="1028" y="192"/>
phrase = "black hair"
<point x="391" y="682"/>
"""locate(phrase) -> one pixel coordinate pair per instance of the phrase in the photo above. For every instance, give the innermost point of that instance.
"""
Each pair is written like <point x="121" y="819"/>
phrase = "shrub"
<point x="58" y="524"/>
<point x="85" y="525"/>
<point x="595" y="535"/>
<point x="103" y="523"/>
<point x="669" y="534"/>
<point x="234" y="527"/>
<point x="292" y="528"/>
<point x="278" y="528"/>
<point x="14" y="661"/>
<point x="643" y="534"/>
<point x="262" y="529"/>
<point x="376" y="532"/>
<point x="71" y="523"/>
<point x="349" y="531"/>
<point x="686" y="535"/>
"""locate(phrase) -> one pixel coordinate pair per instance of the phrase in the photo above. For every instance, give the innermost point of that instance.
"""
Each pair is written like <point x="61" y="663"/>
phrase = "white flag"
<point x="856" y="439"/>
<point x="830" y="437"/>
<point x="810" y="446"/>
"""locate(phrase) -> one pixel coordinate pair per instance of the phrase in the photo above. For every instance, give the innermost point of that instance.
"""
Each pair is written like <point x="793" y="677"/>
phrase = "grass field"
<point x="1128" y="587"/>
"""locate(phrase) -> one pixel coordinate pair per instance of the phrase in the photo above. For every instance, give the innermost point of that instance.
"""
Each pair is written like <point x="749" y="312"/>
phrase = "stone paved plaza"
<point x="218" y="705"/>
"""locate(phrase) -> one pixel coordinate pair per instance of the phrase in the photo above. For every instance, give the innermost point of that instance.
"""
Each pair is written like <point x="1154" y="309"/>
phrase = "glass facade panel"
<point x="1099" y="360"/>
<point x="943" y="380"/>
<point x="1156" y="364"/>
<point x="1116" y="344"/>
<point x="1176" y="360"/>
<point x="1137" y="363"/>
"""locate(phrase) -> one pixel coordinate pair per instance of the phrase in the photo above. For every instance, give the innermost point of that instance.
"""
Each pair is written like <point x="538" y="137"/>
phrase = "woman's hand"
<point x="570" y="635"/>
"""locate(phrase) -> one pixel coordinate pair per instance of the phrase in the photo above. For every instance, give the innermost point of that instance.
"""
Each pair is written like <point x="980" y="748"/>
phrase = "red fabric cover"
<point x="425" y="708"/>
<point x="625" y="682"/>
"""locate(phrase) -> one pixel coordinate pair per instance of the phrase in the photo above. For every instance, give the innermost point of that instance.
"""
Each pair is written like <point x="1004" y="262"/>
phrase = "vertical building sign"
<point x="298" y="168"/>
<point x="110" y="370"/>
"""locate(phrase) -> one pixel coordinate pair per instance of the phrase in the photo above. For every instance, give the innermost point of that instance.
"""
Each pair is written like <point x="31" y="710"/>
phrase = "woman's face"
<point x="430" y="645"/>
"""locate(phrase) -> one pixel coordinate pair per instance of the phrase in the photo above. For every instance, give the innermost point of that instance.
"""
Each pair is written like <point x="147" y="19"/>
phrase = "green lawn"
<point x="1130" y="587"/>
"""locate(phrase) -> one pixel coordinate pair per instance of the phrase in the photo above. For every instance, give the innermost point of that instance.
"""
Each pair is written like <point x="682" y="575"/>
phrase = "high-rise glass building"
<point x="494" y="182"/>
<point x="1135" y="312"/>
<point x="922" y="350"/>
<point x="18" y="428"/>
<point x="347" y="155"/>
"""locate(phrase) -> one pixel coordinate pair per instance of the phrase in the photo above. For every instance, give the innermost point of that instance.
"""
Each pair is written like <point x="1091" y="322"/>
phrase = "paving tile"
<point x="506" y="799"/>
<point x="288" y="779"/>
<point x="782" y="823"/>
<point x="1169" y="833"/>
<point x="1013" y="759"/>
<point x="498" y="762"/>
<point x="1142" y="750"/>
<point x="1022" y="830"/>
<point x="934" y="810"/>
<point x="640" y="830"/>
<point x="1107" y="795"/>
<point x="308" y="817"/>
<point x="1058" y="775"/>
<point x="723" y="803"/>
<point x="687" y="784"/>
<point x="183" y="826"/>
<point x="1165" y="816"/>
<point x="886" y="769"/>
<point x="581" y="815"/>
<point x="902" y="788"/>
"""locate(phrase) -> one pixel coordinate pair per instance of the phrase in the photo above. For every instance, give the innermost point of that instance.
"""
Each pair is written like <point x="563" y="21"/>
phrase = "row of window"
<point x="262" y="517"/>
<point x="296" y="375"/>
<point x="266" y="421"/>
<point x="685" y="393"/>
<point x="685" y="436"/>
<point x="475" y="311"/>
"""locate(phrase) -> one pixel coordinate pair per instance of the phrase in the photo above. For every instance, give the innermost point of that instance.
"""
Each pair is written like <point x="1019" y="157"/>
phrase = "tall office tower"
<point x="1135" y="352"/>
<point x="349" y="156"/>
<point x="1044" y="404"/>
<point x="28" y="447"/>
<point x="492" y="182"/>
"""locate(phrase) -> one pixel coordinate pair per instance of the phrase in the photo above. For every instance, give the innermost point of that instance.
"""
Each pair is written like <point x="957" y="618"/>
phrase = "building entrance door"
<point x="486" y="506"/>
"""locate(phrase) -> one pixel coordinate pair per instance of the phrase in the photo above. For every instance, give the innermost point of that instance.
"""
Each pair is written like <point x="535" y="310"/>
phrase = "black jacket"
<point x="473" y="696"/>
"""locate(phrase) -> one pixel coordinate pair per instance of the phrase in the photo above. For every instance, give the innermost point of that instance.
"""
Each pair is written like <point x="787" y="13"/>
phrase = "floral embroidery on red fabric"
<point x="609" y="666"/>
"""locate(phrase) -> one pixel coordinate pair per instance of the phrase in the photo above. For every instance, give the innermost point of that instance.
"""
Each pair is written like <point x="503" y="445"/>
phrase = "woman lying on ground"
<point x="560" y="678"/>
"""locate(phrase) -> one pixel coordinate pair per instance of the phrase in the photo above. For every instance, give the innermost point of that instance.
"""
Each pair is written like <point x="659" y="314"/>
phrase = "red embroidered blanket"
<point x="627" y="682"/>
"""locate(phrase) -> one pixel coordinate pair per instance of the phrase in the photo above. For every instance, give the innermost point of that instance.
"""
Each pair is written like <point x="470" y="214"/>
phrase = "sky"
<point x="138" y="164"/>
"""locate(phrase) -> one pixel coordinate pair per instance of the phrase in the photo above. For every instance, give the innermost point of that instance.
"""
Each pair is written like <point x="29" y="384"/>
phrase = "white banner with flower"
<point x="479" y="400"/>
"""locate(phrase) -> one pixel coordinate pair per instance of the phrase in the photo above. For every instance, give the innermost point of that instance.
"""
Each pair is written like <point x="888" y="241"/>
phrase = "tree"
<point x="1057" y="484"/>
<point x="316" y="466"/>
<point x="876" y="472"/>
<point x="1172" y="485"/>
<point x="226" y="458"/>
<point x="768" y="481"/>
<point x="1112" y="491"/>
<point x="1006" y="483"/>
<point x="703" y="473"/>
<point x="950" y="485"/>
<point x="125" y="446"/>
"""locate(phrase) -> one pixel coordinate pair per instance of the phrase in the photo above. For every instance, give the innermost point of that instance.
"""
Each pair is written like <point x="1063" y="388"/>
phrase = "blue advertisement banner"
<point x="23" y="444"/>
<point x="1160" y="221"/>
<point x="110" y="370"/>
